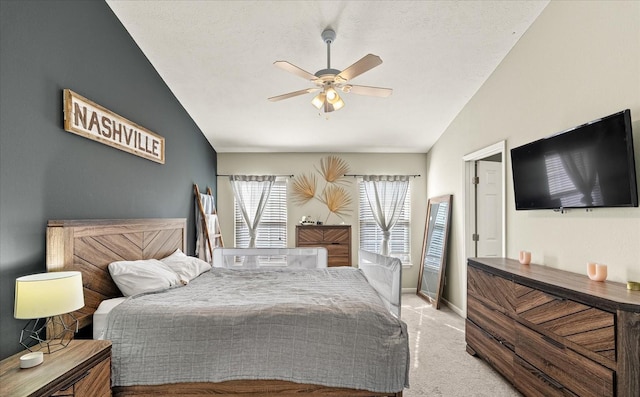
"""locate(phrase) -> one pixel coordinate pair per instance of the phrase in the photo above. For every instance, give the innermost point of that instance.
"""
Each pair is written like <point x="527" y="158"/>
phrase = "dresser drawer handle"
<point x="75" y="380"/>
<point x="537" y="373"/>
<point x="551" y="381"/>
<point x="553" y="342"/>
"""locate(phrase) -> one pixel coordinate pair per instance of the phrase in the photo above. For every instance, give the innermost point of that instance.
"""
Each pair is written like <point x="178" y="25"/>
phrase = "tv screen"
<point x="588" y="166"/>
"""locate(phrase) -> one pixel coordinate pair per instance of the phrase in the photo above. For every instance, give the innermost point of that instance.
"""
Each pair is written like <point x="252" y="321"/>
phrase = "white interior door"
<point x="489" y="209"/>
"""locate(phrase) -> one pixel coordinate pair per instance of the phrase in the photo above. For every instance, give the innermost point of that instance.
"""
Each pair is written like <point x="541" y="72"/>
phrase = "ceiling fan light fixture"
<point x="339" y="104"/>
<point x="332" y="96"/>
<point x="318" y="100"/>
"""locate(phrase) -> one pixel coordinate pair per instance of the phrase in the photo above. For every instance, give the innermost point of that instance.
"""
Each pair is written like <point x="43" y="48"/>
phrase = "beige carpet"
<point x="440" y="365"/>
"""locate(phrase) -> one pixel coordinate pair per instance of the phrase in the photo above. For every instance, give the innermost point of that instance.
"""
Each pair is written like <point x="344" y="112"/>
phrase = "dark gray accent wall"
<point x="48" y="173"/>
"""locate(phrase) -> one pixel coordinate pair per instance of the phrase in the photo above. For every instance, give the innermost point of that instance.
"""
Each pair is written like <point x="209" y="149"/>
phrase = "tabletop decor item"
<point x="43" y="298"/>
<point x="597" y="271"/>
<point x="525" y="257"/>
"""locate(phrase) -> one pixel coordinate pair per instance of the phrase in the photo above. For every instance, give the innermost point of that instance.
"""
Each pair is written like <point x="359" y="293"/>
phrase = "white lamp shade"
<point x="48" y="294"/>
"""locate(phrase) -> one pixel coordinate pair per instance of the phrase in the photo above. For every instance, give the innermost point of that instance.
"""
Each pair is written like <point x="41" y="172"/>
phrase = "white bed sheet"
<point x="100" y="316"/>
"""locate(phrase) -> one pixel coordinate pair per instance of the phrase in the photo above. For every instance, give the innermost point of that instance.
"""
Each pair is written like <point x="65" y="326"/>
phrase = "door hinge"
<point x="475" y="180"/>
<point x="475" y="237"/>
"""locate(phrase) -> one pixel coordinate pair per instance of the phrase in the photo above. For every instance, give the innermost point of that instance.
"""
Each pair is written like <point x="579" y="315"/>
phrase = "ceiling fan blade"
<point x="291" y="68"/>
<point x="292" y="94"/>
<point x="365" y="90"/>
<point x="367" y="62"/>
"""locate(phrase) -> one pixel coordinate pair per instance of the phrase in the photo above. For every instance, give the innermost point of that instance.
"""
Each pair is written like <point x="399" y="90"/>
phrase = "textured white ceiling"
<point x="217" y="58"/>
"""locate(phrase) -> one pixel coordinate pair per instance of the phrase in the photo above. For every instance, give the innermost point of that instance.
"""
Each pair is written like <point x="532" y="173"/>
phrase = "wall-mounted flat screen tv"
<point x="589" y="166"/>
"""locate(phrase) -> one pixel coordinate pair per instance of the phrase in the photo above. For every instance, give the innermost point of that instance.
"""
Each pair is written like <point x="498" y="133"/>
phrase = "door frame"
<point x="469" y="196"/>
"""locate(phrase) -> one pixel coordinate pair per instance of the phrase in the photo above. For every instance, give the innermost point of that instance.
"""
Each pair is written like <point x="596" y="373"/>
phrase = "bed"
<point x="89" y="246"/>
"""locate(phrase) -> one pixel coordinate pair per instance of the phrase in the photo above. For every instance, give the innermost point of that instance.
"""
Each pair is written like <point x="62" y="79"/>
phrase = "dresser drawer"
<point x="311" y="234"/>
<point x="338" y="235"/>
<point x="564" y="366"/>
<point x="493" y="290"/>
<point x="339" y="261"/>
<point x="96" y="382"/>
<point x="492" y="351"/>
<point x="591" y="328"/>
<point x="332" y="249"/>
<point x="534" y="383"/>
<point x="492" y="321"/>
<point x="308" y="235"/>
<point x="337" y="250"/>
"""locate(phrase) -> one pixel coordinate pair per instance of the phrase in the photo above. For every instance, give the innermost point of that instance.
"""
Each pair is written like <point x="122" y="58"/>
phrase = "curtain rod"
<point x="353" y="175"/>
<point x="289" y="176"/>
<point x="357" y="175"/>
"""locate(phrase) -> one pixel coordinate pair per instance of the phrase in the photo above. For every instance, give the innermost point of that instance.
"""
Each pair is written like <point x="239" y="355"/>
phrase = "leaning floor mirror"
<point x="434" y="249"/>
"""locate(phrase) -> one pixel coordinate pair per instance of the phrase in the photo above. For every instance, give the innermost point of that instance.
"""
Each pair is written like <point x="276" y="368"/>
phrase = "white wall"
<point x="577" y="62"/>
<point x="298" y="163"/>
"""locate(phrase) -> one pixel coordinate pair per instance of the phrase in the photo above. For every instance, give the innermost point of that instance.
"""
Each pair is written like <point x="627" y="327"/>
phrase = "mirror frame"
<point x="435" y="300"/>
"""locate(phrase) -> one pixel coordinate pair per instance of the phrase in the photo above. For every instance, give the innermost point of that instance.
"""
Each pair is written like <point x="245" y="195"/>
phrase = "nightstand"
<point x="82" y="369"/>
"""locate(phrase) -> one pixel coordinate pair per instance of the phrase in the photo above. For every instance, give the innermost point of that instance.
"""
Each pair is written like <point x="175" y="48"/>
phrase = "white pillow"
<point x="187" y="267"/>
<point x="136" y="277"/>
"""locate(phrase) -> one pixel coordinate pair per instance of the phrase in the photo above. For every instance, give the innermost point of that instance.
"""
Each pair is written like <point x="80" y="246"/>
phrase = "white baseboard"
<point x="450" y="305"/>
<point x="454" y="308"/>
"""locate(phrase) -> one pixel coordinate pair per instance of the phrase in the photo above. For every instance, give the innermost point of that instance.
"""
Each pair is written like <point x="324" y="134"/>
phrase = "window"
<point x="371" y="234"/>
<point x="272" y="230"/>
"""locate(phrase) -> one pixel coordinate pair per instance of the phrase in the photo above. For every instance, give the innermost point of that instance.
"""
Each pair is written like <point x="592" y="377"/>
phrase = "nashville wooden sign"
<point x="90" y="120"/>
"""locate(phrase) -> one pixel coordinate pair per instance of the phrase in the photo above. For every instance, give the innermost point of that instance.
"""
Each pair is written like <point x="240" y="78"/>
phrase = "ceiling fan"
<point x="329" y="81"/>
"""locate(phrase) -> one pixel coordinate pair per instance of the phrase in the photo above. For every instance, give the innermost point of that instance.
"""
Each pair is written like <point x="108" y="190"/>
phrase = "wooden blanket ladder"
<point x="212" y="240"/>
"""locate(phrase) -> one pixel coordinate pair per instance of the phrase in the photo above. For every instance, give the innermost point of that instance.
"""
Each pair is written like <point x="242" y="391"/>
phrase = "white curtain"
<point x="386" y="195"/>
<point x="244" y="188"/>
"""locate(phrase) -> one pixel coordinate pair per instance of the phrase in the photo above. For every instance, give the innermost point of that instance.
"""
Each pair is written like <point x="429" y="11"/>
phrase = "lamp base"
<point x="34" y="336"/>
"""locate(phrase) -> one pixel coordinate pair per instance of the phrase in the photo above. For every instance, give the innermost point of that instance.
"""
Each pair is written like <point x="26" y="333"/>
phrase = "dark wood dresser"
<point x="552" y="332"/>
<point x="335" y="238"/>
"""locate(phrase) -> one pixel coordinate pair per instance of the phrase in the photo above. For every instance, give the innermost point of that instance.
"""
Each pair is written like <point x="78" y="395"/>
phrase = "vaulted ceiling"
<point x="217" y="58"/>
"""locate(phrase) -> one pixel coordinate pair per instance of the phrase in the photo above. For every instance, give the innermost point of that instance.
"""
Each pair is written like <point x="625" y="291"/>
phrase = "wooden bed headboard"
<point x="88" y="246"/>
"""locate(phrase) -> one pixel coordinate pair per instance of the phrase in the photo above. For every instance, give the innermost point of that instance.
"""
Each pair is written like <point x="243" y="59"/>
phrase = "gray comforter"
<point x="325" y="326"/>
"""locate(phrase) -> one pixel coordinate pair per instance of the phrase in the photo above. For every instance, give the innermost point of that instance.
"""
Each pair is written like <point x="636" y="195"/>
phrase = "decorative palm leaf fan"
<point x="329" y="81"/>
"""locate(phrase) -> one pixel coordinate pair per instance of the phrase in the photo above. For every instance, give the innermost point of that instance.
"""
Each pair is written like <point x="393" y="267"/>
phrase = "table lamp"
<point x="43" y="298"/>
